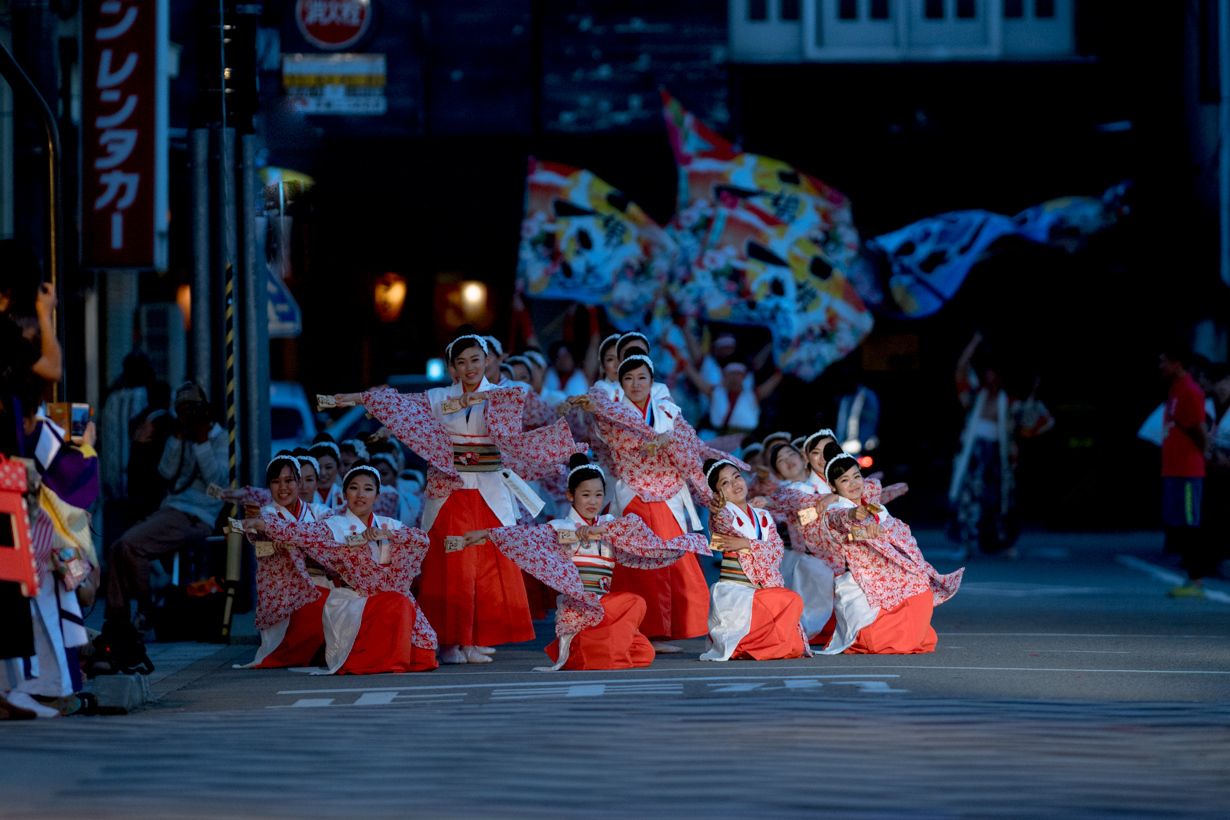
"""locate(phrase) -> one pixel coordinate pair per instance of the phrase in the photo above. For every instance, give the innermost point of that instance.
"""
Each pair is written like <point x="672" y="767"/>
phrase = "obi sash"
<point x="732" y="571"/>
<point x="476" y="458"/>
<point x="595" y="563"/>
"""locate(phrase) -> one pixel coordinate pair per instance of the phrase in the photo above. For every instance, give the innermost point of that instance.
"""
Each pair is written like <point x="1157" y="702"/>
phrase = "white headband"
<point x="482" y="342"/>
<point x="309" y="460"/>
<point x="823" y="432"/>
<point x="386" y="457"/>
<point x="637" y="357"/>
<point x="828" y="467"/>
<point x="588" y="466"/>
<point x="797" y="443"/>
<point x="362" y="468"/>
<point x="495" y="345"/>
<point x="764" y="442"/>
<point x="290" y="459"/>
<point x="328" y="445"/>
<point x="632" y="334"/>
<point x="754" y="447"/>
<point x="614" y="337"/>
<point x="360" y="449"/>
<point x="535" y="357"/>
<point x="717" y="465"/>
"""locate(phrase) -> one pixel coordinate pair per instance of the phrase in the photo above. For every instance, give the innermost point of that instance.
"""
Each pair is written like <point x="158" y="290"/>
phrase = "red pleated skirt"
<point x="905" y="630"/>
<point x="826" y="634"/>
<point x="475" y="597"/>
<point x="305" y="635"/>
<point x="615" y="643"/>
<point x="540" y="596"/>
<point x="775" y="627"/>
<point x="385" y="639"/>
<point x="676" y="597"/>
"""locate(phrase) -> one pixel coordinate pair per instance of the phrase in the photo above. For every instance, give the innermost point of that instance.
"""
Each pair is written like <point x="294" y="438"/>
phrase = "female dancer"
<point x="810" y="565"/>
<point x="290" y="601"/>
<point x="372" y="624"/>
<point x="656" y="452"/>
<point x="608" y="357"/>
<point x="885" y="599"/>
<point x="472" y="435"/>
<point x="328" y="457"/>
<point x="751" y="614"/>
<point x="309" y="470"/>
<point x="596" y="628"/>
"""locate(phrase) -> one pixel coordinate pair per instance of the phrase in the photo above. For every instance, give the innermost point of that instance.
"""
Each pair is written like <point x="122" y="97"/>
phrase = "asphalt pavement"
<point x="1065" y="684"/>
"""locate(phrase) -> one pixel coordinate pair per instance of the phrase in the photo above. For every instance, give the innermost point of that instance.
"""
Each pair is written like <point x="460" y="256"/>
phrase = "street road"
<point x="1065" y="684"/>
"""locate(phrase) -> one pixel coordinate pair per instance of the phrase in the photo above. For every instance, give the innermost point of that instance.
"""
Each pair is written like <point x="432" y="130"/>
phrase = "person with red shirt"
<point x="1183" y="440"/>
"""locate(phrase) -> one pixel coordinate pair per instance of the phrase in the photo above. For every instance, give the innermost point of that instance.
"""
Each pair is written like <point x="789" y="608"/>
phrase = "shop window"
<point x="933" y="9"/>
<point x="1044" y="9"/>
<point x="1014" y="9"/>
<point x="847" y="10"/>
<point x="790" y="9"/>
<point x="757" y="10"/>
<point x="879" y="9"/>
<point x="967" y="9"/>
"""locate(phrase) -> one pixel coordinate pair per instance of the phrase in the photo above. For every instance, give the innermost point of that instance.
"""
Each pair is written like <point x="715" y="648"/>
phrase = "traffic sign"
<point x="333" y="24"/>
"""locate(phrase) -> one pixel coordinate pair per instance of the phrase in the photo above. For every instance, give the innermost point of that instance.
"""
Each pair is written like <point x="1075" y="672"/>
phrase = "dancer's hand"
<point x="730" y="543"/>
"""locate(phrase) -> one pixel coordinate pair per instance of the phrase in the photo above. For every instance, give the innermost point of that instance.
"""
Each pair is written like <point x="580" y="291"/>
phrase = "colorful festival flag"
<point x="763" y="243"/>
<point x="584" y="241"/>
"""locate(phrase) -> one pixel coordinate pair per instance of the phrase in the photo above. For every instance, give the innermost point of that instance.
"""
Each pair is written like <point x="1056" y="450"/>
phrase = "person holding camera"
<point x="194" y="457"/>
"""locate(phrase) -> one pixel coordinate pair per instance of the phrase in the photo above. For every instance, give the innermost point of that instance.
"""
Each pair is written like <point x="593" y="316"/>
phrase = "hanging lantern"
<point x="390" y="297"/>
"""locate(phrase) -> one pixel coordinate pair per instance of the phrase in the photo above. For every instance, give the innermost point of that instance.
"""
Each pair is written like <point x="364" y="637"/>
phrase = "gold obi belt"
<point x="476" y="458"/>
<point x="732" y="571"/>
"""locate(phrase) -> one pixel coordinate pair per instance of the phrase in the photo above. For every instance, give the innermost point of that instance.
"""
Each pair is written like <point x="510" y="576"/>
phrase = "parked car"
<point x="292" y="423"/>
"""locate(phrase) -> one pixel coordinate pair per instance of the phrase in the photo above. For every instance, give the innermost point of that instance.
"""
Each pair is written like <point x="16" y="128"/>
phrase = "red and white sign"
<point x="333" y="24"/>
<point x="123" y="113"/>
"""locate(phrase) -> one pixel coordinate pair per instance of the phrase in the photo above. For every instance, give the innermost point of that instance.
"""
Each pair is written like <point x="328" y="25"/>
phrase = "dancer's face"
<point x="588" y="498"/>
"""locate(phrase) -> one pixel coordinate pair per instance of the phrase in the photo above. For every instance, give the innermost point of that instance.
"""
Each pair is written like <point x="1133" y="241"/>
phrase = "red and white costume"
<point x="290" y="599"/>
<point x="884" y="601"/>
<point x="751" y="615"/>
<point x="653" y="485"/>
<point x="480" y="461"/>
<point x="811" y="565"/>
<point x="332" y="497"/>
<point x="594" y="627"/>
<point x="372" y="624"/>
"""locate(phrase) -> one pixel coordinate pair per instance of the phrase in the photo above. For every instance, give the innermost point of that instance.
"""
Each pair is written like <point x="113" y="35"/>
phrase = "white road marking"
<point x="384" y="698"/>
<point x="1169" y="576"/>
<point x="587" y="690"/>
<point x="559" y="683"/>
<point x="872" y="686"/>
<point x="310" y="702"/>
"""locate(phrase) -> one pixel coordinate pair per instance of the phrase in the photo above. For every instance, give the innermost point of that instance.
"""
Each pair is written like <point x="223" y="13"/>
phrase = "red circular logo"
<point x="333" y="24"/>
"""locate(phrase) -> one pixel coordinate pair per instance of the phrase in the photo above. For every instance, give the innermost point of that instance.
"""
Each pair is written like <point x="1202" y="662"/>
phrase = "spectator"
<point x="22" y="365"/>
<point x="193" y="458"/>
<point x="149" y="432"/>
<point x="734" y="406"/>
<point x="1217" y="463"/>
<point x="1183" y="441"/>
<point x="983" y="487"/>
<point x="564" y="375"/>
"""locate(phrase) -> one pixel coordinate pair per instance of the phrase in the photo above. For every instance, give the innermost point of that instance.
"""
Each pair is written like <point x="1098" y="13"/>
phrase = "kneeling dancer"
<point x="883" y="602"/>
<point x="751" y="615"/>
<point x="372" y="624"/>
<point x="594" y="627"/>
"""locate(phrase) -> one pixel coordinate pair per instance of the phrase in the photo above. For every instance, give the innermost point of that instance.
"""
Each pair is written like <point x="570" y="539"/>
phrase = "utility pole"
<point x="233" y="347"/>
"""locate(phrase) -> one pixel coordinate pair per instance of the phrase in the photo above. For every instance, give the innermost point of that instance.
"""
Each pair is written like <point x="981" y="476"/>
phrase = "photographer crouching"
<point x="193" y="458"/>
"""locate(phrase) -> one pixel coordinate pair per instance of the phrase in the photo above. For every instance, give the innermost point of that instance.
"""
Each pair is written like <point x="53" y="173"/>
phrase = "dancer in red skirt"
<point x="289" y="601"/>
<point x="596" y="628"/>
<point x="656" y="452"/>
<point x="883" y="603"/>
<point x="473" y="436"/>
<point x="751" y="615"/>
<point x="371" y="621"/>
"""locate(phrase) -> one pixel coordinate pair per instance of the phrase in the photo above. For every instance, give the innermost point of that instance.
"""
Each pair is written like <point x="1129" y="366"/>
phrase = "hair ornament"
<point x="717" y="465"/>
<point x="362" y="468"/>
<point x="823" y="432"/>
<point x="482" y="342"/>
<point x="309" y="460"/>
<point x="360" y="449"/>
